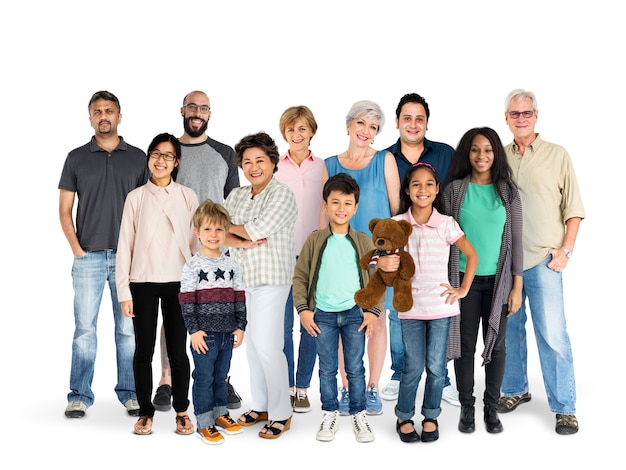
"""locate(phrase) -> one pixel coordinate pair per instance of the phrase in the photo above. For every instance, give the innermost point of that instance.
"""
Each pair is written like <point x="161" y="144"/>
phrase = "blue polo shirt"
<point x="437" y="154"/>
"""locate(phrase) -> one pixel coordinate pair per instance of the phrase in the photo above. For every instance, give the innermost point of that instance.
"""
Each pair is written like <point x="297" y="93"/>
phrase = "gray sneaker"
<point x="132" y="407"/>
<point x="361" y="427"/>
<point x="75" y="409"/>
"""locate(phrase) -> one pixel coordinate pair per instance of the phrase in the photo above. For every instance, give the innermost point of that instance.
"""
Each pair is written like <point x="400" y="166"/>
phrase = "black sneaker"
<point x="234" y="400"/>
<point x="163" y="398"/>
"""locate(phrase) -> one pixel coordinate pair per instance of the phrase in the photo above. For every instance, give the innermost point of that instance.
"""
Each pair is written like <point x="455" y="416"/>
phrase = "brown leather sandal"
<point x="184" y="425"/>
<point x="143" y="426"/>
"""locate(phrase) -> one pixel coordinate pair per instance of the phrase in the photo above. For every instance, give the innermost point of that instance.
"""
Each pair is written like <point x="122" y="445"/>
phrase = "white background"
<point x="254" y="59"/>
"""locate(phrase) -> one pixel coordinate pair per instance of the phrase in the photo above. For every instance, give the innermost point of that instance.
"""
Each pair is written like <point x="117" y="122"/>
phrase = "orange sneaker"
<point x="228" y="425"/>
<point x="210" y="435"/>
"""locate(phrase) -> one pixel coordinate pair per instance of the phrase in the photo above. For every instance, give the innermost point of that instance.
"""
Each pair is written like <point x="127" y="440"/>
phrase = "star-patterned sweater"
<point x="211" y="295"/>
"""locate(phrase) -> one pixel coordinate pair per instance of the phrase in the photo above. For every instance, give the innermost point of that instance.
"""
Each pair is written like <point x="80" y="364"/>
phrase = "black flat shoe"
<point x="412" y="436"/>
<point x="466" y="421"/>
<point x="492" y="421"/>
<point x="430" y="436"/>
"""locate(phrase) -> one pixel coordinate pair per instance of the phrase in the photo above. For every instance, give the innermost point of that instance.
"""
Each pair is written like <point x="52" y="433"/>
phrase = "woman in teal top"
<point x="483" y="199"/>
<point x="376" y="173"/>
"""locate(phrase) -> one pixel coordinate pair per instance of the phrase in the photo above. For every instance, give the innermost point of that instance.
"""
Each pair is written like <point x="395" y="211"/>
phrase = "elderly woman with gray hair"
<point x="376" y="173"/>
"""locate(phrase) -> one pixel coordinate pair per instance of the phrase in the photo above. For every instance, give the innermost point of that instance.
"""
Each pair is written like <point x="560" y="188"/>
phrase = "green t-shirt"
<point x="338" y="277"/>
<point x="482" y="218"/>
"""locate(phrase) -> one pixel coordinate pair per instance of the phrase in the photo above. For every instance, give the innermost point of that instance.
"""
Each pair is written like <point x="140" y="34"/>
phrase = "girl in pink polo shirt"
<point x="425" y="328"/>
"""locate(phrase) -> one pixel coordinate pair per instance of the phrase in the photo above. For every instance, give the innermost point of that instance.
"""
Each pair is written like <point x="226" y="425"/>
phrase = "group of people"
<point x="493" y="228"/>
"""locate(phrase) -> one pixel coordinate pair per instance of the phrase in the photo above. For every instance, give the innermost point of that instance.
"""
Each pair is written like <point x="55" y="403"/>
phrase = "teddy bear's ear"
<point x="373" y="223"/>
<point x="406" y="227"/>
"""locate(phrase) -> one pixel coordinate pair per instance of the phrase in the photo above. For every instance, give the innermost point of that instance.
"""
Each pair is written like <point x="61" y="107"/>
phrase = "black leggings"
<point x="146" y="298"/>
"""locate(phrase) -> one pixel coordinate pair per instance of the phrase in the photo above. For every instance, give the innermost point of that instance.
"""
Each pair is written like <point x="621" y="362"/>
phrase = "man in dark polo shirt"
<point x="99" y="175"/>
<point x="412" y="114"/>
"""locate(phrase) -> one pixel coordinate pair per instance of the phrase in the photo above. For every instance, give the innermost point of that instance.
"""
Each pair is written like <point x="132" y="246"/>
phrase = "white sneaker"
<point x="328" y="427"/>
<point x="451" y="395"/>
<point x="391" y="390"/>
<point x="361" y="427"/>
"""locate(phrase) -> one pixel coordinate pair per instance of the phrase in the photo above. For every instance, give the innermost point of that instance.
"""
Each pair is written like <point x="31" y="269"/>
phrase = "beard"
<point x="193" y="132"/>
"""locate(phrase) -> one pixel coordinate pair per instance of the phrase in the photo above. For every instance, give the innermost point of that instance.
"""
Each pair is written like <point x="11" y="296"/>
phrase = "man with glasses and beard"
<point x="208" y="167"/>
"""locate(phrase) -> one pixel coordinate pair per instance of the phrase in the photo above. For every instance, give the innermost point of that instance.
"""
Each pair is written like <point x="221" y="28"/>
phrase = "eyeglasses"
<point x="193" y="107"/>
<point x="517" y="114"/>
<point x="168" y="156"/>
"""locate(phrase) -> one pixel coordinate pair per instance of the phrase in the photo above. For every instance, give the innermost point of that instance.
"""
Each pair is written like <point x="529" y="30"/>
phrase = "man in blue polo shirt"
<point x="412" y="114"/>
<point x="99" y="174"/>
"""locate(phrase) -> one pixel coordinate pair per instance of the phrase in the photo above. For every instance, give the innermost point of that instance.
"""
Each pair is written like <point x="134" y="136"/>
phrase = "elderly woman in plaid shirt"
<point x="262" y="239"/>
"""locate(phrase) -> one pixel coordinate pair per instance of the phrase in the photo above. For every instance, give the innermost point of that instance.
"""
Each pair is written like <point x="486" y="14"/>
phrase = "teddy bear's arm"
<point x="407" y="265"/>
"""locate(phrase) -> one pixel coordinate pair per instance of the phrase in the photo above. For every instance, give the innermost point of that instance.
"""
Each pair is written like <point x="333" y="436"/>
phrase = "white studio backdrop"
<point x="254" y="59"/>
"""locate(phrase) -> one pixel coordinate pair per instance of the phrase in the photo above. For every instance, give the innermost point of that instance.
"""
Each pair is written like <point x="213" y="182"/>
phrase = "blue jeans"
<point x="90" y="273"/>
<point x="210" y="390"/>
<point x="543" y="288"/>
<point x="425" y="345"/>
<point x="396" y="347"/>
<point x="332" y="326"/>
<point x="307" y="350"/>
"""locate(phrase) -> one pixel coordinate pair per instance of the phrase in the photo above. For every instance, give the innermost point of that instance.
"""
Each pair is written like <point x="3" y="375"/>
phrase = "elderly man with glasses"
<point x="552" y="210"/>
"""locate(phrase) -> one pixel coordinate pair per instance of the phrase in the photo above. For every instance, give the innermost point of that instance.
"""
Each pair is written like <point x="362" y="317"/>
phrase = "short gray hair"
<point x="519" y="95"/>
<point x="367" y="109"/>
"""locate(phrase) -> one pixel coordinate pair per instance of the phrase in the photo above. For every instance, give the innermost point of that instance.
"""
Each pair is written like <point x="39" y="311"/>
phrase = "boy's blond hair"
<point x="210" y="211"/>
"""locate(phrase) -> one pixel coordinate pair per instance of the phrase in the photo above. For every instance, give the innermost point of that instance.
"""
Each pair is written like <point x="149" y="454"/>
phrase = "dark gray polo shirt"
<point x="101" y="180"/>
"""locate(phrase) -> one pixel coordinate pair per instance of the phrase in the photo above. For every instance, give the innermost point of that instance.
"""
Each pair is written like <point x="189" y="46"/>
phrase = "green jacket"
<point x="308" y="265"/>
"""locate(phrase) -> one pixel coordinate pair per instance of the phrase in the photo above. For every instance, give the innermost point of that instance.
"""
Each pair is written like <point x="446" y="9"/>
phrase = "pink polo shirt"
<point x="429" y="245"/>
<point x="306" y="183"/>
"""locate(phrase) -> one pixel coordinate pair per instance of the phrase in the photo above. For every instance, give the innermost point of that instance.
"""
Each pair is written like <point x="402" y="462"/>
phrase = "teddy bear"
<point x="390" y="237"/>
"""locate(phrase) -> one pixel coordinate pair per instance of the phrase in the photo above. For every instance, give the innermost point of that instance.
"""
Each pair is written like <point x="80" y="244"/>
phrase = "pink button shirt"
<point x="306" y="183"/>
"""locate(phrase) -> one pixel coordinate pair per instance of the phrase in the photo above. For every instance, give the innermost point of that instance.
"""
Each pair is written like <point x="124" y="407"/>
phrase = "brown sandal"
<point x="183" y="425"/>
<point x="143" y="426"/>
<point x="247" y="419"/>
<point x="270" y="431"/>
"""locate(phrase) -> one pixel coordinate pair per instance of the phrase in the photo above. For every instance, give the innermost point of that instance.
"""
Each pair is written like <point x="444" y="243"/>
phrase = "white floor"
<point x="39" y="432"/>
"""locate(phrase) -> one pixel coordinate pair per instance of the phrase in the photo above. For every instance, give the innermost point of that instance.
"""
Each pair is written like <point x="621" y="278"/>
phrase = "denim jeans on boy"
<point x="425" y="346"/>
<point x="332" y="326"/>
<point x="210" y="390"/>
<point x="90" y="273"/>
<point x="307" y="350"/>
<point x="543" y="288"/>
<point x="396" y="347"/>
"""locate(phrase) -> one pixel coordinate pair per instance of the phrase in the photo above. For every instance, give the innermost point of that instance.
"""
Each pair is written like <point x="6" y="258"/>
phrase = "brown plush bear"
<point x="390" y="237"/>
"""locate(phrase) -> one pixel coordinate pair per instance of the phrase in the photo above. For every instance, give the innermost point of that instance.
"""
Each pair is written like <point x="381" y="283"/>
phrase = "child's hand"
<point x="453" y="294"/>
<point x="127" y="308"/>
<point x="198" y="343"/>
<point x="238" y="334"/>
<point x="389" y="263"/>
<point x="307" y="322"/>
<point x="369" y="324"/>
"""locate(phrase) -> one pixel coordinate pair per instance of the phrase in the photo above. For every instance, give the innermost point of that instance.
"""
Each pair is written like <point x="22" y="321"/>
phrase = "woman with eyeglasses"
<point x="156" y="239"/>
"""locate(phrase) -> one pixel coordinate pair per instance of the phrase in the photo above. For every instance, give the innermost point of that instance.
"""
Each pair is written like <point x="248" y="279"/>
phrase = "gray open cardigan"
<point x="510" y="261"/>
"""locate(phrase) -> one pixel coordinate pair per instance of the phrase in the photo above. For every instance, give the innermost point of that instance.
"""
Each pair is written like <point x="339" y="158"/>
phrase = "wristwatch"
<point x="567" y="252"/>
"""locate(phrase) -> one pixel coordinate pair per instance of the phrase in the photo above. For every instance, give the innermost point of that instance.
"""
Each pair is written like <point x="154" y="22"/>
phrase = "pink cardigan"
<point x="156" y="235"/>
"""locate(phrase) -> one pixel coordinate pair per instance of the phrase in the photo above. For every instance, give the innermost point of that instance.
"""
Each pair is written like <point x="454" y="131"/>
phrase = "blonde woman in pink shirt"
<point x="156" y="239"/>
<point x="426" y="327"/>
<point x="302" y="172"/>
